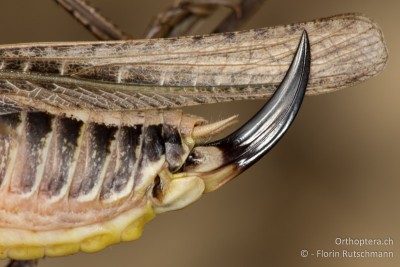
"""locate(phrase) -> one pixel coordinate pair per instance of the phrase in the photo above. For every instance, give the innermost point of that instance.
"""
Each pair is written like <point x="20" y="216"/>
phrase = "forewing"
<point x="175" y="72"/>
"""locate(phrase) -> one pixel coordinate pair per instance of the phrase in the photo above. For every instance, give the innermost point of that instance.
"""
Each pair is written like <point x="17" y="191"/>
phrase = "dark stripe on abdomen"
<point x="31" y="151"/>
<point x="153" y="143"/>
<point x="61" y="155"/>
<point x="99" y="138"/>
<point x="117" y="179"/>
<point x="173" y="147"/>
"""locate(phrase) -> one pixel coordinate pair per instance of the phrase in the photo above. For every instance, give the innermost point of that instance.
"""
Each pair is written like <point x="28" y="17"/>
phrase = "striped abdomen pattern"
<point x="58" y="172"/>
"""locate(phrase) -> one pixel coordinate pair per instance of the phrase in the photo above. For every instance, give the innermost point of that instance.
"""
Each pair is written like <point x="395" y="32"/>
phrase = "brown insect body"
<point x="84" y="158"/>
<point x="49" y="158"/>
<point x="59" y="173"/>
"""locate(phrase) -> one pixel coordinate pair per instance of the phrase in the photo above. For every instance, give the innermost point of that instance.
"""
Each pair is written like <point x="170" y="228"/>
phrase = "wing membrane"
<point x="175" y="72"/>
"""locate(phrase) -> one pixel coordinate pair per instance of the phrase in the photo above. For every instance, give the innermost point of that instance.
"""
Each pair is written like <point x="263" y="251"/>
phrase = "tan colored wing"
<point x="175" y="72"/>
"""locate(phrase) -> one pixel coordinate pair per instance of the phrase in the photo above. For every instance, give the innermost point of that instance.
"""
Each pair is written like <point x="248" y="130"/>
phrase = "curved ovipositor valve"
<point x="219" y="161"/>
<point x="82" y="185"/>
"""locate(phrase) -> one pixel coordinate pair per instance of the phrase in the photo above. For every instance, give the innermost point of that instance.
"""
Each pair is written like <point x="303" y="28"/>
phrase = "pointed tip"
<point x="305" y="35"/>
<point x="220" y="161"/>
<point x="305" y="44"/>
<point x="265" y="129"/>
<point x="304" y="38"/>
<point x="211" y="129"/>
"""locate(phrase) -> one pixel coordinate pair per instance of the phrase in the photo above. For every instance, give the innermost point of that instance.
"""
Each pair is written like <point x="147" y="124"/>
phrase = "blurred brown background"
<point x="336" y="173"/>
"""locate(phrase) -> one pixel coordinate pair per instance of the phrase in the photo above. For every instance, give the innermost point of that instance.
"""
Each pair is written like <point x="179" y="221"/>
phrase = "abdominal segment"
<point x="81" y="185"/>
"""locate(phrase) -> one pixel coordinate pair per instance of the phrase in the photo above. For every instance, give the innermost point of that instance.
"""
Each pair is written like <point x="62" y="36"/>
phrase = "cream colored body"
<point x="36" y="222"/>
